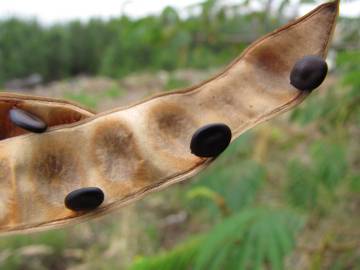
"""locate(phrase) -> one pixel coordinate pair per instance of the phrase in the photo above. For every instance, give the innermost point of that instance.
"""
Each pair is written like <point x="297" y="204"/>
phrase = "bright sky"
<point x="63" y="10"/>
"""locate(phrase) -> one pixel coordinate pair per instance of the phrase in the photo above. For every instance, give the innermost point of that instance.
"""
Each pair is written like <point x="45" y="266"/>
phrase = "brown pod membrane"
<point x="308" y="73"/>
<point x="133" y="151"/>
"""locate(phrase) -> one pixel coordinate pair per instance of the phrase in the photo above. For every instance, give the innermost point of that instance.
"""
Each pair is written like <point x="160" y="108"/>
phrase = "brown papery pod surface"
<point x="133" y="151"/>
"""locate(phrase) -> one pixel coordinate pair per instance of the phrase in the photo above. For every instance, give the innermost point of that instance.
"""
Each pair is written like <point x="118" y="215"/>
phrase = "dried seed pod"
<point x="143" y="148"/>
<point x="308" y="73"/>
<point x="84" y="199"/>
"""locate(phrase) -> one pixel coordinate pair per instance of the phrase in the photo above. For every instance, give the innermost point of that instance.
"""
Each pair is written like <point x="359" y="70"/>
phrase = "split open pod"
<point x="121" y="155"/>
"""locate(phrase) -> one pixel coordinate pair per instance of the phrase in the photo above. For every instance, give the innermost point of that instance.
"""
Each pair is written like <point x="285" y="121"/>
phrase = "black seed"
<point x="308" y="73"/>
<point x="84" y="199"/>
<point x="210" y="140"/>
<point x="27" y="121"/>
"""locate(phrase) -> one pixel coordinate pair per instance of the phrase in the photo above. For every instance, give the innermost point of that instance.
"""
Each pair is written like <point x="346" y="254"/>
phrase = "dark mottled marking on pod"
<point x="27" y="121"/>
<point x="84" y="199"/>
<point x="308" y="73"/>
<point x="210" y="140"/>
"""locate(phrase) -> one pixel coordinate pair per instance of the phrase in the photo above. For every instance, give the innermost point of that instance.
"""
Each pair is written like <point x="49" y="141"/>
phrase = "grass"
<point x="174" y="83"/>
<point x="82" y="98"/>
<point x="115" y="91"/>
<point x="18" y="249"/>
<point x="92" y="100"/>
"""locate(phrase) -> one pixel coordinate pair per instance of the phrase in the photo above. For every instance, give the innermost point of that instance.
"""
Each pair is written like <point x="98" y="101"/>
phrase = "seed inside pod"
<point x="27" y="120"/>
<point x="308" y="73"/>
<point x="84" y="199"/>
<point x="210" y="140"/>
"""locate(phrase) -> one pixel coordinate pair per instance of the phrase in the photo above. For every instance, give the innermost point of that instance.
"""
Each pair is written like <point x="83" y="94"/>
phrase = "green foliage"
<point x="326" y="170"/>
<point x="20" y="45"/>
<point x="114" y="92"/>
<point x="122" y="45"/>
<point x="355" y="183"/>
<point x="91" y="100"/>
<point x="56" y="240"/>
<point x="312" y="185"/>
<point x="180" y="258"/>
<point x="252" y="239"/>
<point x="243" y="179"/>
<point x="174" y="83"/>
<point x="255" y="238"/>
<point x="82" y="98"/>
<point x="302" y="189"/>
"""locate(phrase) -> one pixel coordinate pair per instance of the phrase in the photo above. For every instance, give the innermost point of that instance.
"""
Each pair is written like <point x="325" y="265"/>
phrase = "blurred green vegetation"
<point x="91" y="100"/>
<point x="123" y="45"/>
<point x="173" y="83"/>
<point x="52" y="241"/>
<point x="82" y="98"/>
<point x="259" y="211"/>
<point x="280" y="197"/>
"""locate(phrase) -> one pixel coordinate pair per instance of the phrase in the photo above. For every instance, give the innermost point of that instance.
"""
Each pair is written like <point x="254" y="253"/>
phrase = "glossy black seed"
<point x="84" y="199"/>
<point x="210" y="140"/>
<point x="308" y="73"/>
<point x="27" y="121"/>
